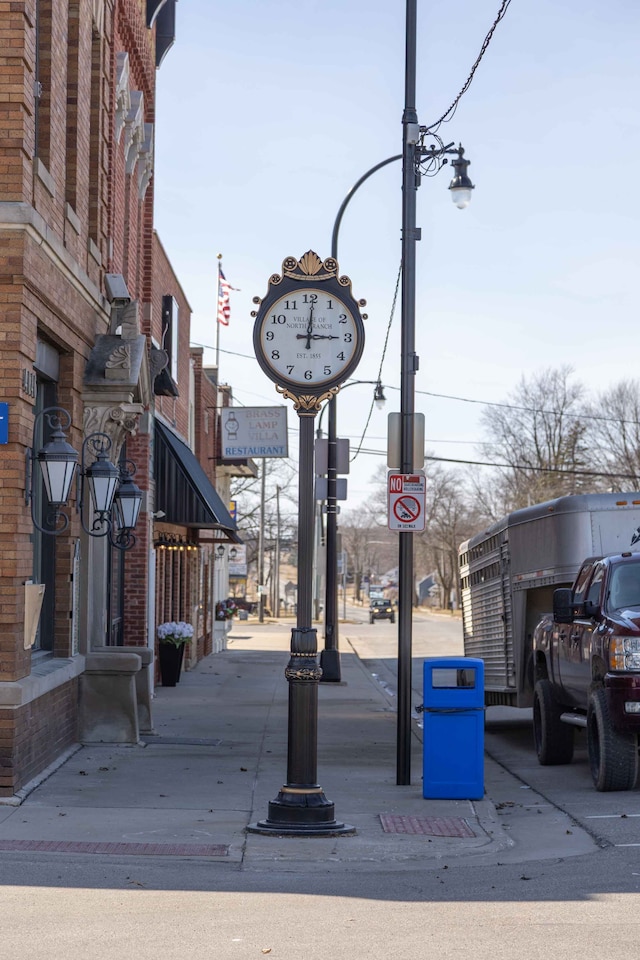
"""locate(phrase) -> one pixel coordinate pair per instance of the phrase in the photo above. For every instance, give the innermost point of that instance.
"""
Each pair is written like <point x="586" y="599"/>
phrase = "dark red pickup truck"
<point x="586" y="660"/>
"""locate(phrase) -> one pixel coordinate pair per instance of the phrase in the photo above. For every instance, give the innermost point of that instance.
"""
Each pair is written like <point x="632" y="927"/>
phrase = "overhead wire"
<point x="450" y="112"/>
<point x="518" y="466"/>
<point x="384" y="351"/>
<point x="482" y="403"/>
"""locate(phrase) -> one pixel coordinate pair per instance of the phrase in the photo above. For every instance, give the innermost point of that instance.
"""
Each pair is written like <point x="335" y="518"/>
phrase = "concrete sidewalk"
<point x="219" y="757"/>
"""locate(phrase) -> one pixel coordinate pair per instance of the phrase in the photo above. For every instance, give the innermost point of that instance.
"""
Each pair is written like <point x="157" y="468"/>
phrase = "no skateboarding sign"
<point x="407" y="501"/>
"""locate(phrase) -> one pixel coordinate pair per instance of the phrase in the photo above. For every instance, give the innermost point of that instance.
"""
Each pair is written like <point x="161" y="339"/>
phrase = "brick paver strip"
<point x="152" y="741"/>
<point x="426" y="826"/>
<point x="125" y="849"/>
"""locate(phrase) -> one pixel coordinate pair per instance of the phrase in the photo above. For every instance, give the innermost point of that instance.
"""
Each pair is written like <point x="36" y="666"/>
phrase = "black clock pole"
<point x="301" y="807"/>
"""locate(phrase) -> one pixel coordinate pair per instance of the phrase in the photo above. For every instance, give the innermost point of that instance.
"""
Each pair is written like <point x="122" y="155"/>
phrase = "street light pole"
<point x="408" y="368"/>
<point x="330" y="655"/>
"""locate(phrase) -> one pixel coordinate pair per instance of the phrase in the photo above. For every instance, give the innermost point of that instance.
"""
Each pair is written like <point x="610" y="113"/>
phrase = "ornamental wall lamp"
<point x="115" y="498"/>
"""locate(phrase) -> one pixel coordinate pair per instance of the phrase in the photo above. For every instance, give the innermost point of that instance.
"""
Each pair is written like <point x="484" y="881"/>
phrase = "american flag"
<point x="224" y="308"/>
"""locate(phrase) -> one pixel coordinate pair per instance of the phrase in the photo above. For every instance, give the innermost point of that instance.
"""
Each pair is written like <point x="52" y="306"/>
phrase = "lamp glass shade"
<point x="461" y="196"/>
<point x="378" y="397"/>
<point x="58" y="462"/>
<point x="102" y="478"/>
<point x="127" y="503"/>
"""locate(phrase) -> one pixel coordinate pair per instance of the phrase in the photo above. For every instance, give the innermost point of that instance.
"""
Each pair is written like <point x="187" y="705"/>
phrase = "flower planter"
<point x="173" y="637"/>
<point x="170" y="657"/>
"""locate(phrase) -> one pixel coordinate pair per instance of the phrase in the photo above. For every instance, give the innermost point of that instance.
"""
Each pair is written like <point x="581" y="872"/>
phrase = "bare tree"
<point x="614" y="435"/>
<point x="448" y="522"/>
<point x="541" y="433"/>
<point x="246" y="491"/>
<point x="360" y="535"/>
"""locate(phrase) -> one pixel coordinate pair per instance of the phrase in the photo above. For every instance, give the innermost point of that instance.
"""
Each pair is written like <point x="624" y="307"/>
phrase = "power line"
<point x="514" y="406"/>
<point x="482" y="403"/>
<point x="384" y="352"/>
<point x="517" y="466"/>
<point x="233" y="353"/>
<point x="448" y="115"/>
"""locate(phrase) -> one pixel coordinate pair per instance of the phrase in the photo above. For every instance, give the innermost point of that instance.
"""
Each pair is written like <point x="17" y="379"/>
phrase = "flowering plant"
<point x="176" y="633"/>
<point x="226" y="609"/>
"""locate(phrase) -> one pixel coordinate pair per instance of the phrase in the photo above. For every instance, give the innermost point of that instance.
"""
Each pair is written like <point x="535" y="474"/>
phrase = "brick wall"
<point x="165" y="283"/>
<point x="208" y="416"/>
<point x="136" y="609"/>
<point x="60" y="161"/>
<point x="34" y="735"/>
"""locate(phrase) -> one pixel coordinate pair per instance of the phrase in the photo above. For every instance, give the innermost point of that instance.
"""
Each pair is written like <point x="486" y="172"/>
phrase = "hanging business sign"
<point x="253" y="432"/>
<point x="237" y="560"/>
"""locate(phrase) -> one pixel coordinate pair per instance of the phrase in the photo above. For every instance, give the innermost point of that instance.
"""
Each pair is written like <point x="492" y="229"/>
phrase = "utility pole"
<point x="261" y="542"/>
<point x="408" y="369"/>
<point x="277" y="555"/>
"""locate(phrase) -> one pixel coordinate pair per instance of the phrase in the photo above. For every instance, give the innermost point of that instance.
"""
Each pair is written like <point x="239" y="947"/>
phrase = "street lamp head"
<point x="128" y="498"/>
<point x="461" y="185"/>
<point x="378" y="396"/>
<point x="102" y="480"/>
<point x="57" y="460"/>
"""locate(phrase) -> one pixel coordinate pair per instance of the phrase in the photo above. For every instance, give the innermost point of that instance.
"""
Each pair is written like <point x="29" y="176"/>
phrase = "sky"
<point x="267" y="113"/>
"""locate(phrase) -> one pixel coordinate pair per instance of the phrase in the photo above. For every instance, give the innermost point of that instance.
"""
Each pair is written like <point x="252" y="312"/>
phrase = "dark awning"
<point x="183" y="490"/>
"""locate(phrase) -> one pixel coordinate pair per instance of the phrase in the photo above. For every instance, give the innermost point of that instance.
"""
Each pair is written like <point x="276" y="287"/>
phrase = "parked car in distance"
<point x="243" y="604"/>
<point x="381" y="610"/>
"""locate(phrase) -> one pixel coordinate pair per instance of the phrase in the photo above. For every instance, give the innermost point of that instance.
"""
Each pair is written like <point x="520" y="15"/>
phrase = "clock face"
<point x="308" y="337"/>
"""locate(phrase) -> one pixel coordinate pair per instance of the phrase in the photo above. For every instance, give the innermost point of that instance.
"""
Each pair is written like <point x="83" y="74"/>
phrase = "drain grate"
<point x="124" y="849"/>
<point x="426" y="826"/>
<point x="181" y="741"/>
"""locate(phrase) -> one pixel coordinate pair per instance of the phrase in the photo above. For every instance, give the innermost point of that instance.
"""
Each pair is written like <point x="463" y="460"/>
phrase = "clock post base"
<point x="301" y="808"/>
<point x="301" y="812"/>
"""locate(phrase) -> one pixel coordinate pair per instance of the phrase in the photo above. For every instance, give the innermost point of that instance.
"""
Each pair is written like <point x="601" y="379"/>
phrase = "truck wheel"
<point x="613" y="756"/>
<point x="553" y="739"/>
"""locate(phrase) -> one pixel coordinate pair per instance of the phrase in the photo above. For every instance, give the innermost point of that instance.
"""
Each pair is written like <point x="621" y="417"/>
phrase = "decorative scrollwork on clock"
<point x="307" y="404"/>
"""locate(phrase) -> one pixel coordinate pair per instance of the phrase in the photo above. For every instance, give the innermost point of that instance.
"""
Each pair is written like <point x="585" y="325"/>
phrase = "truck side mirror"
<point x="563" y="605"/>
<point x="591" y="609"/>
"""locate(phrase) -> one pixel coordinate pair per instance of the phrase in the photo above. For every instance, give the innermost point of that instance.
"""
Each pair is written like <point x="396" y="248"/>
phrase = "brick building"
<point x="93" y="323"/>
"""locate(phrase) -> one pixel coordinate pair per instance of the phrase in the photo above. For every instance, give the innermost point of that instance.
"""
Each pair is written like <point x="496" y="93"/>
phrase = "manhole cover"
<point x="182" y="741"/>
<point x="426" y="826"/>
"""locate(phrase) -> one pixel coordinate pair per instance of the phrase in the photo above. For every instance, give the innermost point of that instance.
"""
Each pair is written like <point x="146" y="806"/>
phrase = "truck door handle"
<point x="575" y="637"/>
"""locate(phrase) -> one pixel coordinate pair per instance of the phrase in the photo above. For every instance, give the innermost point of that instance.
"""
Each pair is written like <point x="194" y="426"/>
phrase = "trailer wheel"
<point x="613" y="756"/>
<point x="553" y="739"/>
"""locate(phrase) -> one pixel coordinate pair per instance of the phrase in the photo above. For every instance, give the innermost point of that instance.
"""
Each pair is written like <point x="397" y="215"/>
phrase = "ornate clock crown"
<point x="310" y="268"/>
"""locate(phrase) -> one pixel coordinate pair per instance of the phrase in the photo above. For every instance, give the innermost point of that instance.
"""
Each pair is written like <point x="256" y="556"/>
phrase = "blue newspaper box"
<point x="453" y="744"/>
